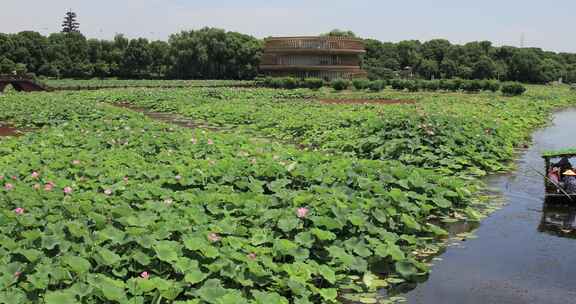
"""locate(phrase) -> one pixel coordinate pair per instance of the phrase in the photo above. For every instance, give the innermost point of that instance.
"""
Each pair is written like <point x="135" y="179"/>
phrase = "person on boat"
<point x="554" y="175"/>
<point x="569" y="181"/>
<point x="564" y="165"/>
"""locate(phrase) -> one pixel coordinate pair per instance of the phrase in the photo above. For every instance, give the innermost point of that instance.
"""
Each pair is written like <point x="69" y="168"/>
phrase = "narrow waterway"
<point x="525" y="252"/>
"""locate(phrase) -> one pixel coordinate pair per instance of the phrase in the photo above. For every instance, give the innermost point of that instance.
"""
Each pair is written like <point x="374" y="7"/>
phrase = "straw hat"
<point x="570" y="173"/>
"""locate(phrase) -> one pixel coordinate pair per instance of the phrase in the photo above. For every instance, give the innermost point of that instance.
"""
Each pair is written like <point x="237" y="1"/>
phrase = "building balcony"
<point x="333" y="45"/>
<point x="314" y="51"/>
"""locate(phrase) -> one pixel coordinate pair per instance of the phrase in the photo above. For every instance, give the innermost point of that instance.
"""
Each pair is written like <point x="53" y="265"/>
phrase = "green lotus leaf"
<point x="77" y="264"/>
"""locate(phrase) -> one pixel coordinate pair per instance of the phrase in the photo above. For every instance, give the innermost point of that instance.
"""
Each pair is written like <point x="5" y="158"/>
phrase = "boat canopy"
<point x="569" y="152"/>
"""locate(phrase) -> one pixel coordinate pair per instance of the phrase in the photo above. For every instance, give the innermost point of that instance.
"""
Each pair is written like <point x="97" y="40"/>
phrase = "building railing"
<point x="315" y="43"/>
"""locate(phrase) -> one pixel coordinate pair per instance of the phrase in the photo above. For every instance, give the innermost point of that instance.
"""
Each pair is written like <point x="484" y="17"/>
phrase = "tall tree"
<point x="339" y="33"/>
<point x="70" y="24"/>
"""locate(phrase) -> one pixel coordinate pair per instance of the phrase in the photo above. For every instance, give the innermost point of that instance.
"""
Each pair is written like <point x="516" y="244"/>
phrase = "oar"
<point x="553" y="183"/>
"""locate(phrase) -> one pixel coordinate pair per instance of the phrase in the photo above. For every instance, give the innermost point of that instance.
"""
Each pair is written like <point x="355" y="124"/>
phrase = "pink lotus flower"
<point x="251" y="256"/>
<point x="17" y="273"/>
<point x="302" y="212"/>
<point x="145" y="275"/>
<point x="1" y="177"/>
<point x="19" y="210"/>
<point x="76" y="162"/>
<point x="8" y="187"/>
<point x="67" y="190"/>
<point x="214" y="237"/>
<point x="35" y="174"/>
<point x="108" y="192"/>
<point x="210" y="142"/>
<point x="14" y="177"/>
<point x="49" y="186"/>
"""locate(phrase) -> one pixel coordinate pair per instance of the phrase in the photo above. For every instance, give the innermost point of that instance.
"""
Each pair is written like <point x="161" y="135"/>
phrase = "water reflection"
<point x="558" y="220"/>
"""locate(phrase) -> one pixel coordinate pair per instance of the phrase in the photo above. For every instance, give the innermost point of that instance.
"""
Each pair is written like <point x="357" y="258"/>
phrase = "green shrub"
<point x="279" y="82"/>
<point x="376" y="85"/>
<point x="493" y="85"/>
<point x="413" y="86"/>
<point x="398" y="84"/>
<point x="265" y="81"/>
<point x="290" y="83"/>
<point x="432" y="85"/>
<point x="513" y="89"/>
<point x="472" y="86"/>
<point x="446" y="84"/>
<point x="276" y="83"/>
<point x="340" y="84"/>
<point x="458" y="84"/>
<point x="360" y="84"/>
<point x="313" y="83"/>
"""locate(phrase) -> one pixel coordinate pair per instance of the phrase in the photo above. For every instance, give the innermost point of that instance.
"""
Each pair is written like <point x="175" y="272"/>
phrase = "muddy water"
<point x="169" y="118"/>
<point x="7" y="130"/>
<point x="525" y="252"/>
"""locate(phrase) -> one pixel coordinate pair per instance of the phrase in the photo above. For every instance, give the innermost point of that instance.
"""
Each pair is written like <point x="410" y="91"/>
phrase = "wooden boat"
<point x="554" y="193"/>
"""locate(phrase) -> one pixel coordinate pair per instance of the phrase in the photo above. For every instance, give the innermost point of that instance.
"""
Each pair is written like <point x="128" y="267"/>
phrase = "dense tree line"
<point x="211" y="53"/>
<point x="202" y="54"/>
<point x="439" y="58"/>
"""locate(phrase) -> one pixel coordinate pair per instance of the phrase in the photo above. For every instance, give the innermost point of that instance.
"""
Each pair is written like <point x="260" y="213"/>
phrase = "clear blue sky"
<point x="545" y="24"/>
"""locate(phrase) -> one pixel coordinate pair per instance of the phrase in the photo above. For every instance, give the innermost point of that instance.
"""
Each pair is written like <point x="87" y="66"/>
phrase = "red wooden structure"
<point x="21" y="83"/>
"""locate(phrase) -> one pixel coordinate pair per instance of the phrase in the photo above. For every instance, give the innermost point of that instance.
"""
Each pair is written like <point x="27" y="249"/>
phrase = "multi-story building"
<point x="318" y="57"/>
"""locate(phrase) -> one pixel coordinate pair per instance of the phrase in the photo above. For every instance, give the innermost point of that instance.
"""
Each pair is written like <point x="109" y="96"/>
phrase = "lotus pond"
<point x="296" y="202"/>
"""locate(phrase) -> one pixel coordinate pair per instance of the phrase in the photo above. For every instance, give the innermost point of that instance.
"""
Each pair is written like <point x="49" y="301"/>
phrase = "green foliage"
<point x="290" y="83"/>
<point x="70" y="84"/>
<point x="361" y="84"/>
<point x="226" y="230"/>
<point x="160" y="213"/>
<point x="7" y="66"/>
<point x="339" y="33"/>
<point x="207" y="53"/>
<point x="211" y="53"/>
<point x="513" y="89"/>
<point x="452" y="85"/>
<point x="377" y="85"/>
<point x="340" y="84"/>
<point x="472" y="86"/>
<point x="313" y="83"/>
<point x="439" y="58"/>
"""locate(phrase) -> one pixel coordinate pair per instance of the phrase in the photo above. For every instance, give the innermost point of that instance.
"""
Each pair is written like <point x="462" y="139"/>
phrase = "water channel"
<point x="524" y="252"/>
